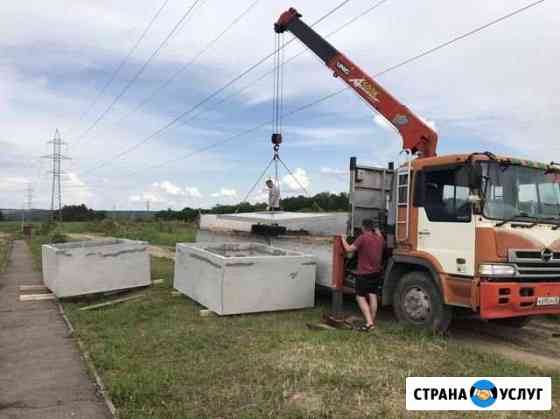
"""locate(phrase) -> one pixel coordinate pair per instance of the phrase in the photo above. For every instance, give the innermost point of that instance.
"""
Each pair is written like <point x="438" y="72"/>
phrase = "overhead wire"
<point x="186" y="65"/>
<point x="117" y="70"/>
<point x="138" y="73"/>
<point x="339" y="91"/>
<point x="255" y="184"/>
<point x="287" y="61"/>
<point x="206" y="99"/>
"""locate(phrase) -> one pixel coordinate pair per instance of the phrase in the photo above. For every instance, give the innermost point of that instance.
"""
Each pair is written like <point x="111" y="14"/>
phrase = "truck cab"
<point x="474" y="231"/>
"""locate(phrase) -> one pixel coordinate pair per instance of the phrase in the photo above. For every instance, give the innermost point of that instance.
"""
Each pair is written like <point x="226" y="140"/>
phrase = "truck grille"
<point x="536" y="264"/>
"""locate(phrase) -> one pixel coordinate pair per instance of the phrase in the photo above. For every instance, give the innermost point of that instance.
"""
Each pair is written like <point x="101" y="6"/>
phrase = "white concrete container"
<point x="235" y="278"/>
<point x="318" y="247"/>
<point x="88" y="267"/>
<point x="320" y="229"/>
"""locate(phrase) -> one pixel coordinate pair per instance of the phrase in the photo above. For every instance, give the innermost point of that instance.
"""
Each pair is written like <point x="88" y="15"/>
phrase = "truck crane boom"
<point x="417" y="136"/>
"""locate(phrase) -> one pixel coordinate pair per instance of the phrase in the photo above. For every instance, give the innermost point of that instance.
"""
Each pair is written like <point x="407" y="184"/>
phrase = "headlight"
<point x="489" y="269"/>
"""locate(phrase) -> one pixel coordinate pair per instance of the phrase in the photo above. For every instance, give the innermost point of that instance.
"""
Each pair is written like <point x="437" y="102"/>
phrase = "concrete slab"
<point x="235" y="278"/>
<point x="87" y="267"/>
<point x="41" y="370"/>
<point x="316" y="224"/>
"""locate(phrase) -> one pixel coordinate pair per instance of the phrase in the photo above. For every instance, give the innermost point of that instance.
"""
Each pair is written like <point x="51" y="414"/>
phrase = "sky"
<point x="497" y="90"/>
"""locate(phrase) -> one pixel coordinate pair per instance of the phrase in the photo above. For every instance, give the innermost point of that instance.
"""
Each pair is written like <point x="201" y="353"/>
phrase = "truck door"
<point x="446" y="226"/>
<point x="370" y="195"/>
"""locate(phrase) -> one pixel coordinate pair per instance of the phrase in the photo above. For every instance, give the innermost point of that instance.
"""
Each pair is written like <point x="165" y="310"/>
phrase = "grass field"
<point x="157" y="233"/>
<point x="160" y="358"/>
<point x="4" y="248"/>
<point x="11" y="228"/>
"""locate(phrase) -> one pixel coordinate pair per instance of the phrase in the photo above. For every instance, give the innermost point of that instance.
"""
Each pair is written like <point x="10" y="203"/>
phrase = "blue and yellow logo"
<point x="483" y="393"/>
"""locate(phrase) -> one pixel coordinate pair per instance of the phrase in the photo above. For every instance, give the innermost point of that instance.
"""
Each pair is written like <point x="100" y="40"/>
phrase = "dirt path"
<point x="536" y="344"/>
<point x="41" y="371"/>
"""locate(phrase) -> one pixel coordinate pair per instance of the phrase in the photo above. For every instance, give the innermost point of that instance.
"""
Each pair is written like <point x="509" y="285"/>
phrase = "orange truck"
<point x="473" y="233"/>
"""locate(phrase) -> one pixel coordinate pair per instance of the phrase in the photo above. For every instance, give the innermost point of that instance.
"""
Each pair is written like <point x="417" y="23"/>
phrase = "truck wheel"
<point x="514" y="322"/>
<point x="418" y="302"/>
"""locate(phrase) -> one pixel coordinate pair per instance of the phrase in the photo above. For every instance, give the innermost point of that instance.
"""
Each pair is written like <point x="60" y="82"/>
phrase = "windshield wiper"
<point x="510" y="219"/>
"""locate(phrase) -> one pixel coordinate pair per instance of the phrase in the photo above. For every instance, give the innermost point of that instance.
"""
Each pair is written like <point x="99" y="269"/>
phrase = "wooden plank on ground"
<point x="111" y="303"/>
<point x="36" y="297"/>
<point x="33" y="288"/>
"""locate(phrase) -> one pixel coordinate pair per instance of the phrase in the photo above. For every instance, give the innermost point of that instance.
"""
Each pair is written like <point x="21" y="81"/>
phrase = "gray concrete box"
<point x="87" y="267"/>
<point x="235" y="278"/>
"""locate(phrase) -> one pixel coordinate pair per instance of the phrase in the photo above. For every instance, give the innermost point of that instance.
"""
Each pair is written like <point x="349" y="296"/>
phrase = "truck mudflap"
<point x="511" y="299"/>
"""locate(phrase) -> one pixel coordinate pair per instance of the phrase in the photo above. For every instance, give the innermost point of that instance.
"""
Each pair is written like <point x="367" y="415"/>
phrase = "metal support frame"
<point x="56" y="157"/>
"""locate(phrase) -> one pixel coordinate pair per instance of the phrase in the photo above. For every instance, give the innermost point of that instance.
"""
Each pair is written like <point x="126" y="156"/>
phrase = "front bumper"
<point x="511" y="299"/>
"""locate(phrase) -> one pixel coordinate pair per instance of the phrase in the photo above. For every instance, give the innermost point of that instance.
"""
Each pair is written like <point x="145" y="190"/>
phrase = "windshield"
<point x="522" y="192"/>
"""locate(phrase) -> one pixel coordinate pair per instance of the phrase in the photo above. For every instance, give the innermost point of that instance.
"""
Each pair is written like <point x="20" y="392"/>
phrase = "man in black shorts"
<point x="369" y="248"/>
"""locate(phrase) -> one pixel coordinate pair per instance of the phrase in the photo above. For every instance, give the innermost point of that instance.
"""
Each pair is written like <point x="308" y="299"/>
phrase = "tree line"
<point x="322" y="202"/>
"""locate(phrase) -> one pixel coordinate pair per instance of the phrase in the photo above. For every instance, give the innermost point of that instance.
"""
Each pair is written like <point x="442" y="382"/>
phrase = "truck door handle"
<point x="424" y="233"/>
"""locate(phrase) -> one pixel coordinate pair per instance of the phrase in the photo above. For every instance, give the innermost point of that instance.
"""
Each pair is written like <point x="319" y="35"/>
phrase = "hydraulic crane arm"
<point x="417" y="135"/>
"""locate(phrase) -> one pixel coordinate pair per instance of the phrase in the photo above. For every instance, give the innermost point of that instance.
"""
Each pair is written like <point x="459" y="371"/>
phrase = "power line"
<point x="339" y="91"/>
<point x="292" y="58"/>
<point x="123" y="62"/>
<point x="205" y="100"/>
<point x="186" y="65"/>
<point x="129" y="84"/>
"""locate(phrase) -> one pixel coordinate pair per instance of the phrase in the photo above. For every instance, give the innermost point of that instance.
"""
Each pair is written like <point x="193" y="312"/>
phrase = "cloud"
<point x="508" y="104"/>
<point x="383" y="123"/>
<point x="168" y="187"/>
<point x="429" y="123"/>
<point x="192" y="192"/>
<point x="75" y="190"/>
<point x="225" y="193"/>
<point x="291" y="184"/>
<point x="167" y="194"/>
<point x="330" y="171"/>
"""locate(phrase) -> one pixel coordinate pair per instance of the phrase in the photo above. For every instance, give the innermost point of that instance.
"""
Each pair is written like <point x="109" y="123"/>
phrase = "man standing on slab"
<point x="273" y="196"/>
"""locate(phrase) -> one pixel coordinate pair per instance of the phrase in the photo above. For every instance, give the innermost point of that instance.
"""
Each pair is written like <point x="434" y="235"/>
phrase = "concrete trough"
<point x="89" y="267"/>
<point x="236" y="278"/>
<point x="319" y="229"/>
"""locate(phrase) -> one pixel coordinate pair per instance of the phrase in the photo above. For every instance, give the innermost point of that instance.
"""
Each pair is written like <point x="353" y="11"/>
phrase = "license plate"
<point x="548" y="301"/>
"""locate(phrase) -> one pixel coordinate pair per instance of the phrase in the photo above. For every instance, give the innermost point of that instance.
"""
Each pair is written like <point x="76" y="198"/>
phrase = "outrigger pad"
<point x="268" y="230"/>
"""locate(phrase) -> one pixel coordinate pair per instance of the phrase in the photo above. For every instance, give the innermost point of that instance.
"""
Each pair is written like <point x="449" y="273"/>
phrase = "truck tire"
<point x="418" y="302"/>
<point x="513" y="322"/>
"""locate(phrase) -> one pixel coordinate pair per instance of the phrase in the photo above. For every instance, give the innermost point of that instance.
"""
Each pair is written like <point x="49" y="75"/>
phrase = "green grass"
<point x="36" y="252"/>
<point x="11" y="228"/>
<point x="160" y="358"/>
<point x="75" y="227"/>
<point x="4" y="253"/>
<point x="157" y="233"/>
